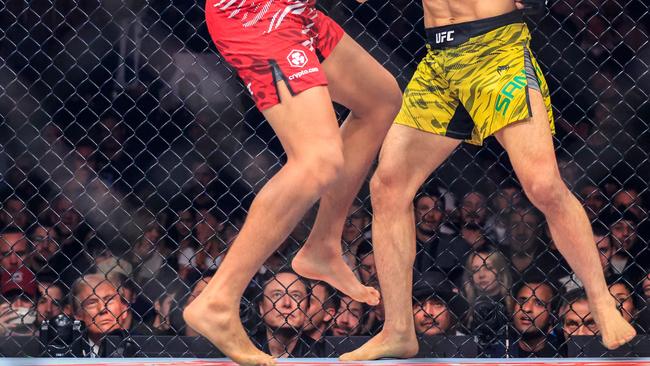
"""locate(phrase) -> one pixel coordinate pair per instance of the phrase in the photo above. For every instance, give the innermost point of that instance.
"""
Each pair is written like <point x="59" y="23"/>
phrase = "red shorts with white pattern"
<point x="271" y="40"/>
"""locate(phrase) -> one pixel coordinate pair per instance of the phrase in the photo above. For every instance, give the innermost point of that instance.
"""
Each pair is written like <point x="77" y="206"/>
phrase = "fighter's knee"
<point x="386" y="189"/>
<point x="546" y="192"/>
<point x="323" y="168"/>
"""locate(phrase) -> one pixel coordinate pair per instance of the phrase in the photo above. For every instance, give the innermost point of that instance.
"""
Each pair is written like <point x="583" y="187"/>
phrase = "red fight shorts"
<point x="271" y="40"/>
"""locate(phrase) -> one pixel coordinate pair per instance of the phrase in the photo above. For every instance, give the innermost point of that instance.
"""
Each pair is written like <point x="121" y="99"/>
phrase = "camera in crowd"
<point x="63" y="337"/>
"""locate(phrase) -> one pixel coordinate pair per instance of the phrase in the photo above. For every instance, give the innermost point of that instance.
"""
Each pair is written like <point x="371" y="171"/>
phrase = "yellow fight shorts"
<point x="474" y="80"/>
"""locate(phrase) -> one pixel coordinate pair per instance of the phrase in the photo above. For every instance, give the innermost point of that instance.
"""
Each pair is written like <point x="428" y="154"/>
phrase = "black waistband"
<point x="456" y="34"/>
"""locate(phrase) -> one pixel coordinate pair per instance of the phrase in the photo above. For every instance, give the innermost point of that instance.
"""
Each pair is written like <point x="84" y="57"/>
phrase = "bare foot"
<point x="334" y="271"/>
<point x="614" y="329"/>
<point x="385" y="346"/>
<point x="222" y="326"/>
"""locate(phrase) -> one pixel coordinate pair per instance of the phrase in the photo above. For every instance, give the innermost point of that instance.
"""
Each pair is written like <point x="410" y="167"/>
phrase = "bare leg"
<point x="306" y="126"/>
<point x="530" y="148"/>
<point x="406" y="160"/>
<point x="360" y="83"/>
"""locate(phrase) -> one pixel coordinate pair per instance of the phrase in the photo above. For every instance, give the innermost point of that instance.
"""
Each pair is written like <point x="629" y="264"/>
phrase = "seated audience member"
<point x="506" y="198"/>
<point x="436" y="251"/>
<point x="593" y="199"/>
<point x="349" y="318"/>
<point x="629" y="200"/>
<point x="624" y="295"/>
<point x="18" y="315"/>
<point x="533" y="318"/>
<point x="438" y="308"/>
<point x="49" y="302"/>
<point x="605" y="248"/>
<point x="100" y="306"/>
<point x="527" y="252"/>
<point x="150" y="254"/>
<point x="105" y="261"/>
<point x="283" y="308"/>
<point x="366" y="258"/>
<point x="14" y="250"/>
<point x="322" y="309"/>
<point x="182" y="238"/>
<point x="487" y="282"/>
<point x="474" y="236"/>
<point x="71" y="260"/>
<point x="630" y="253"/>
<point x="354" y="230"/>
<point x="14" y="212"/>
<point x="575" y="316"/>
<point x="138" y="305"/>
<point x="474" y="209"/>
<point x="45" y="240"/>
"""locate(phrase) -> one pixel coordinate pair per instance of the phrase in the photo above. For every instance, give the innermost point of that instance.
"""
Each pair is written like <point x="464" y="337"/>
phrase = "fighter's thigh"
<point x="529" y="144"/>
<point x="304" y="122"/>
<point x="357" y="80"/>
<point x="409" y="156"/>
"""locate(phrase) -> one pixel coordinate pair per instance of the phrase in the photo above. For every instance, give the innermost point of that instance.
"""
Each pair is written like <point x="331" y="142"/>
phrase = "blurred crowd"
<point x="123" y="183"/>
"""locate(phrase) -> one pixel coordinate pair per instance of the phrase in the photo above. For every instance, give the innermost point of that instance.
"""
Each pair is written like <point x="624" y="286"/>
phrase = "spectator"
<point x="487" y="282"/>
<point x="523" y="237"/>
<point x="629" y="200"/>
<point x="623" y="293"/>
<point x="321" y="311"/>
<point x="527" y="254"/>
<point x="474" y="209"/>
<point x="606" y="249"/>
<point x="211" y="248"/>
<point x="97" y="302"/>
<point x="367" y="268"/>
<point x="349" y="318"/>
<point x="19" y="290"/>
<point x="152" y="259"/>
<point x="629" y="256"/>
<point x="14" y="250"/>
<point x="434" y="250"/>
<point x="14" y="212"/>
<point x="232" y="227"/>
<point x="575" y="317"/>
<point x="71" y="260"/>
<point x="137" y="305"/>
<point x="105" y="261"/>
<point x="354" y="228"/>
<point x="45" y="240"/>
<point x="438" y="308"/>
<point x="593" y="199"/>
<point x="49" y="302"/>
<point x="533" y="318"/>
<point x="507" y="197"/>
<point x="474" y="236"/>
<point x="283" y="307"/>
<point x="161" y="324"/>
<point x="183" y="239"/>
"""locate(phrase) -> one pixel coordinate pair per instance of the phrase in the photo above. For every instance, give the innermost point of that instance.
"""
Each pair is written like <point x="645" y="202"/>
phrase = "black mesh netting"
<point x="130" y="153"/>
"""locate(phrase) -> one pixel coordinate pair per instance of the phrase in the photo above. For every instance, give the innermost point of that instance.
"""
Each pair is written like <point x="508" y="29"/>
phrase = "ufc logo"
<point x="444" y="36"/>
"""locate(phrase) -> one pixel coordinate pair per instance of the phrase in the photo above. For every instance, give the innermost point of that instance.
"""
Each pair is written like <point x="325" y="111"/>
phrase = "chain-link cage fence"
<point x="131" y="152"/>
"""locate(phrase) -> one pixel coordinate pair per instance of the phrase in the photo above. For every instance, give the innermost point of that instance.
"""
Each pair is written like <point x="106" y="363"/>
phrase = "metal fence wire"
<point x="130" y="153"/>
